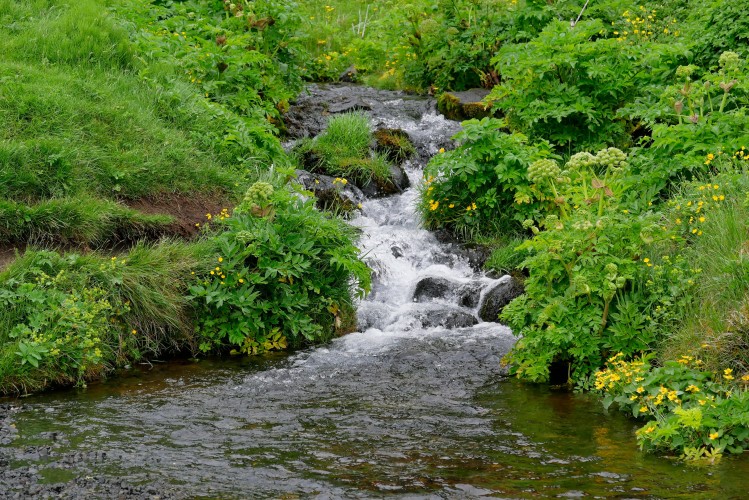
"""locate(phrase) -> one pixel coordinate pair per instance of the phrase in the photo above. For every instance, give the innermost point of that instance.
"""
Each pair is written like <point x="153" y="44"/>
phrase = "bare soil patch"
<point x="189" y="211"/>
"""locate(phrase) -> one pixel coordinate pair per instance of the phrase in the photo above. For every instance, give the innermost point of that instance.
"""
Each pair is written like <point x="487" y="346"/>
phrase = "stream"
<point x="415" y="405"/>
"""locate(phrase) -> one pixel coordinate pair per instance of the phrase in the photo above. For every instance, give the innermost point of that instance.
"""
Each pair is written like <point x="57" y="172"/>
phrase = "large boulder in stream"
<point x="464" y="105"/>
<point x="464" y="295"/>
<point x="331" y="195"/>
<point x="496" y="298"/>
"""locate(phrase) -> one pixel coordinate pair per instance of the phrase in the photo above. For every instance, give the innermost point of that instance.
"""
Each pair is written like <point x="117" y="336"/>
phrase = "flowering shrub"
<point x="701" y="113"/>
<point x="69" y="332"/>
<point x="687" y="409"/>
<point x="592" y="288"/>
<point x="482" y="185"/>
<point x="283" y="273"/>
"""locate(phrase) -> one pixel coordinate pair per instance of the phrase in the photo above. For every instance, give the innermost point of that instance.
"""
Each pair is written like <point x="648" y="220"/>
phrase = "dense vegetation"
<point x="620" y="158"/>
<point x="611" y="179"/>
<point x="110" y="110"/>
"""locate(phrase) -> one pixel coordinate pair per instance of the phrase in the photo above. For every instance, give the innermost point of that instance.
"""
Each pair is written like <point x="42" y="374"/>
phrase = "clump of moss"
<point x="395" y="144"/>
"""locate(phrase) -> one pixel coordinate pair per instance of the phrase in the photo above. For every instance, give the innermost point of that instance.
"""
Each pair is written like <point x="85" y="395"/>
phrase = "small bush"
<point x="283" y="273"/>
<point x="688" y="410"/>
<point x="482" y="187"/>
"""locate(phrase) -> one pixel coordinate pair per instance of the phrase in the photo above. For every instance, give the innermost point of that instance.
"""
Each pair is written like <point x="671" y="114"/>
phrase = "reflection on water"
<point x="274" y="428"/>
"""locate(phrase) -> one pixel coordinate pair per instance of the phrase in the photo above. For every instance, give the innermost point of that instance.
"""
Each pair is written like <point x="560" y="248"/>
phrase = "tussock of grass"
<point x="78" y="221"/>
<point x="343" y="150"/>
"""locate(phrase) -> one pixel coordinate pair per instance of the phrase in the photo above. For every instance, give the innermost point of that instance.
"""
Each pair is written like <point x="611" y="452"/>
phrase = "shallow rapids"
<point x="406" y="407"/>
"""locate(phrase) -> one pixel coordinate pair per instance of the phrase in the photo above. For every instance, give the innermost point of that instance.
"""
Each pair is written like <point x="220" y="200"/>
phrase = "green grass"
<point x="717" y="326"/>
<point x="504" y="259"/>
<point x="343" y="150"/>
<point x="75" y="221"/>
<point x="81" y="129"/>
<point x="144" y="288"/>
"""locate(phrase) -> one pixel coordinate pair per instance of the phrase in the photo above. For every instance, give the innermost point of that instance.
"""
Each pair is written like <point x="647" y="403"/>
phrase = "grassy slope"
<point x="79" y="126"/>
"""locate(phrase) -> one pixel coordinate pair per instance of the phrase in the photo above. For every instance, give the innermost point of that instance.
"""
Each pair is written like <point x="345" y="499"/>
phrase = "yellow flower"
<point x="134" y="332"/>
<point x="442" y="150"/>
<point x="451" y="205"/>
<point x="640" y="390"/>
<point x="220" y="259"/>
<point x="643" y="409"/>
<point x="646" y="260"/>
<point x="241" y="280"/>
<point x="745" y="378"/>
<point x="693" y="388"/>
<point x="714" y="435"/>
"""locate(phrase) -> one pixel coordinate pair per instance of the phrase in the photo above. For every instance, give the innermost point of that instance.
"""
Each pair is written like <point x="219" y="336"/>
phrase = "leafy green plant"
<point x="687" y="409"/>
<point x="282" y="274"/>
<point x="567" y="84"/>
<point x="592" y="289"/>
<point x="482" y="185"/>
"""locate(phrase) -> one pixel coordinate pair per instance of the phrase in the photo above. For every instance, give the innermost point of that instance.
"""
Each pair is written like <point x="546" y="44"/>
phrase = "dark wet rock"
<point x="447" y="318"/>
<point x="349" y="106"/>
<point x="464" y="105"/>
<point x="476" y="255"/>
<point x="397" y="252"/>
<point x="397" y="183"/>
<point x="469" y="294"/>
<point x="308" y="115"/>
<point x="350" y="75"/>
<point x="331" y="195"/>
<point x="431" y="288"/>
<point x="496" y="298"/>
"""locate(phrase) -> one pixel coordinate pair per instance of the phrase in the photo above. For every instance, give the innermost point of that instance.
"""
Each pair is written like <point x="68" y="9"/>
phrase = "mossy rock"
<point x="395" y="144"/>
<point x="464" y="105"/>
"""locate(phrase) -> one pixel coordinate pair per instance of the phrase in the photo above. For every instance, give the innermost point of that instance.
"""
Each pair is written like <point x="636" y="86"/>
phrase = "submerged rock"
<point x="447" y="318"/>
<point x="464" y="105"/>
<point x="469" y="294"/>
<point x="496" y="298"/>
